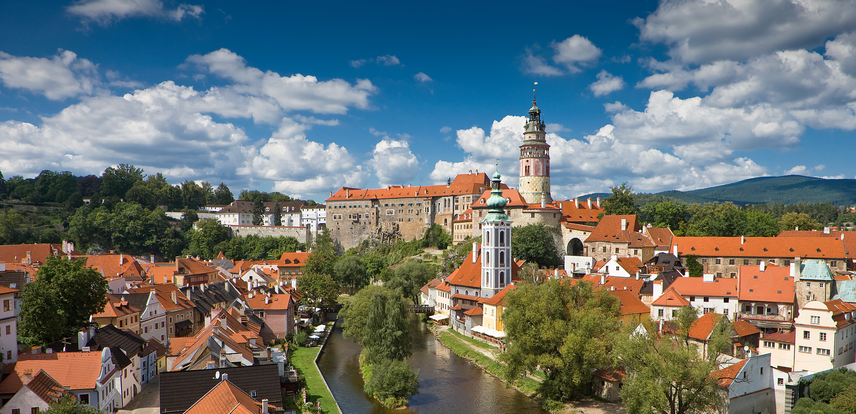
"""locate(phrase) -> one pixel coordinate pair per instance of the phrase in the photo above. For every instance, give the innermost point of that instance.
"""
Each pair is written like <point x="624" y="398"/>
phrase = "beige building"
<point x="825" y="332"/>
<point x="619" y="236"/>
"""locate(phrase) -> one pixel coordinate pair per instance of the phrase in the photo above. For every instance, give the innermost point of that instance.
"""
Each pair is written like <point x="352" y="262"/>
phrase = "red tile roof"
<point x="464" y="217"/>
<point x="728" y="374"/>
<point x="762" y="247"/>
<point x="630" y="264"/>
<point x="499" y="298"/>
<point x="671" y="298"/>
<point x="577" y="211"/>
<point x="629" y="284"/>
<point x="164" y="295"/>
<point x="772" y="285"/>
<point x="292" y="259"/>
<point x="703" y="326"/>
<point x="474" y="311"/>
<point x="115" y="265"/>
<point x="630" y="303"/>
<point x="661" y="236"/>
<point x="116" y="308"/>
<point x="609" y="230"/>
<point x="785" y="337"/>
<point x="469" y="273"/>
<point x="280" y="301"/>
<point x="39" y="253"/>
<point x="462" y="184"/>
<point x="578" y="227"/>
<point x="512" y="196"/>
<point x="47" y="388"/>
<point x="744" y="328"/>
<point x="76" y="370"/>
<point x="225" y="397"/>
<point x="696" y="286"/>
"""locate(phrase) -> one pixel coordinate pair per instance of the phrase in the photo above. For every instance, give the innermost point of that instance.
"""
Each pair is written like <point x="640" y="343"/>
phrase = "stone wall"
<point x="302" y="234"/>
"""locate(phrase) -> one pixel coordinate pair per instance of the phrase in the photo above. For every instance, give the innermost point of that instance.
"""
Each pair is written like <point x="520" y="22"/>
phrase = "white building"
<point x="314" y="217"/>
<point x="152" y="315"/>
<point x="709" y="294"/>
<point x="825" y="332"/>
<point x="8" y="325"/>
<point x="240" y="213"/>
<point x="749" y="384"/>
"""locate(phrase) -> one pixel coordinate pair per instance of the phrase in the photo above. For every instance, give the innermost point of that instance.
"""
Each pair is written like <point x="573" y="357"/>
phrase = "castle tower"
<point x="496" y="243"/>
<point x="535" y="159"/>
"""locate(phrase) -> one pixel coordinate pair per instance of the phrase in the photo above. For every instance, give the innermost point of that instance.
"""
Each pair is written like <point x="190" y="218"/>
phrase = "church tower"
<point x="534" y="183"/>
<point x="496" y="243"/>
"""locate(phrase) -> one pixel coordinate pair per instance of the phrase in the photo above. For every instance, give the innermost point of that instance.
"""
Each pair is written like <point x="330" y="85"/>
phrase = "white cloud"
<point x="106" y="11"/>
<point x="819" y="167"/>
<point x="537" y="65"/>
<point x="798" y="170"/>
<point x="393" y="162"/>
<point x="606" y="83"/>
<point x="62" y="76"/>
<point x="446" y="129"/>
<point x="357" y="63"/>
<point x="700" y="31"/>
<point x="388" y="60"/>
<point x="843" y="50"/>
<point x="421" y="77"/>
<point x="574" y="51"/>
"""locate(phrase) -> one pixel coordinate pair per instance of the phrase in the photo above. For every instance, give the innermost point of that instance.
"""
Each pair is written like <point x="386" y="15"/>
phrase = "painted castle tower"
<point x="496" y="243"/>
<point x="534" y="183"/>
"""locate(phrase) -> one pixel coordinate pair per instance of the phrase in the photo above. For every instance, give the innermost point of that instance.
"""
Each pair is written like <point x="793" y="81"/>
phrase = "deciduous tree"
<point x="68" y="404"/>
<point x="621" y="201"/>
<point x="222" y="195"/>
<point x="386" y="336"/>
<point x="351" y="272"/>
<point x="797" y="221"/>
<point x="534" y="243"/>
<point x="410" y="277"/>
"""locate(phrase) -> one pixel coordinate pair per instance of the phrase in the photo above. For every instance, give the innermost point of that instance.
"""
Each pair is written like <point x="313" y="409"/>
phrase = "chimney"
<point x="152" y="258"/>
<point x="347" y="193"/>
<point x="29" y="258"/>
<point x="267" y="300"/>
<point x="589" y="203"/>
<point x="707" y="277"/>
<point x="657" y="290"/>
<point x="598" y="202"/>
<point x="224" y="377"/>
<point x="475" y="251"/>
<point x="763" y="265"/>
<point x="796" y="267"/>
<point x="543" y="200"/>
<point x="121" y="259"/>
<point x="826" y="230"/>
<point x="264" y="406"/>
<point x="742" y="240"/>
<point x="174" y="297"/>
<point x="675" y="250"/>
<point x="602" y="280"/>
<point x="637" y="275"/>
<point x="623" y="223"/>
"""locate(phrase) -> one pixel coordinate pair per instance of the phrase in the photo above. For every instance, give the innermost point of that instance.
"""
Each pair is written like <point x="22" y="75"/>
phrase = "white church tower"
<point x="496" y="243"/>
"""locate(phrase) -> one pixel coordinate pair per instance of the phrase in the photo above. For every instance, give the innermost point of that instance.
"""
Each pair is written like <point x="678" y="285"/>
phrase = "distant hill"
<point x="790" y="189"/>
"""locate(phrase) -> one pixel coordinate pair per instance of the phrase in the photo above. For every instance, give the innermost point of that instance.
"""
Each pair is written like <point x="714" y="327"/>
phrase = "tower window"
<point x="526" y="170"/>
<point x="502" y="238"/>
<point x="501" y="278"/>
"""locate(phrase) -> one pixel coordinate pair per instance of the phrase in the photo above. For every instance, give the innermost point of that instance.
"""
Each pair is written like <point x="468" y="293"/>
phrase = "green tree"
<point x="192" y="195"/>
<point x="666" y="374"/>
<point x="68" y="404"/>
<point x="693" y="266"/>
<point x="258" y="211"/>
<point x="2" y="186"/>
<point x="351" y="272"/>
<point x="798" y="221"/>
<point x="392" y="382"/>
<point x="845" y="400"/>
<point x="222" y="195"/>
<point x="530" y="273"/>
<point x="621" y="201"/>
<point x="534" y="243"/>
<point x="277" y="214"/>
<point x="375" y="266"/>
<point x="435" y="236"/>
<point x="410" y="277"/>
<point x="665" y="214"/>
<point x="323" y="258"/>
<point x="115" y="182"/>
<point x="61" y="299"/>
<point x="386" y="336"/>
<point x="808" y="406"/>
<point x="318" y="289"/>
<point x="187" y="219"/>
<point x="355" y="313"/>
<point x="209" y="238"/>
<point x="561" y="329"/>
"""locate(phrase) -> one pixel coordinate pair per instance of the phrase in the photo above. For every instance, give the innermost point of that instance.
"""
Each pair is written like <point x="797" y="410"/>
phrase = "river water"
<point x="447" y="382"/>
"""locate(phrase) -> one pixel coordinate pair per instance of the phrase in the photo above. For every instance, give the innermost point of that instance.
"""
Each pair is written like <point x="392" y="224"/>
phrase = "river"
<point x="447" y="382"/>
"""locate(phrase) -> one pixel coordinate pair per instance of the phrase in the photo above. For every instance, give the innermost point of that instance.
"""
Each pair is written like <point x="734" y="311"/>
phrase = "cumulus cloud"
<point x="537" y="65"/>
<point x="606" y="84"/>
<point x="421" y="77"/>
<point x="61" y="76"/>
<point x="797" y="170"/>
<point x="385" y="60"/>
<point x="700" y="31"/>
<point x="105" y="12"/>
<point x="393" y="162"/>
<point x="574" y="51"/>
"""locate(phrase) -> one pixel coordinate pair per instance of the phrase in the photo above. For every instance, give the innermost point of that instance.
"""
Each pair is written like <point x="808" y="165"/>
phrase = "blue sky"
<point x="306" y="97"/>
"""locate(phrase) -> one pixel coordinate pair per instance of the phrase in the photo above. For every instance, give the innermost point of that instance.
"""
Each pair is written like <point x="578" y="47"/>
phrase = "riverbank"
<point x="304" y="361"/>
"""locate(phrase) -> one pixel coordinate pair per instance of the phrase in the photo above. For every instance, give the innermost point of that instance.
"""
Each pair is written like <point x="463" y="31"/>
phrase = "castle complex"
<point x="461" y="205"/>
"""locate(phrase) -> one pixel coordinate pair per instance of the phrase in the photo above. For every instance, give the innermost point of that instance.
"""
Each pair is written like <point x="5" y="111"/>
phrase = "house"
<point x="34" y="254"/>
<point x="723" y="256"/>
<point x="314" y="217"/>
<point x="633" y="311"/>
<point x="619" y="236"/>
<point x="766" y="296"/>
<point x="825" y="332"/>
<point x="663" y="262"/>
<point x="814" y="281"/>
<point x="207" y="298"/>
<point x="748" y="386"/>
<point x="226" y="397"/>
<point x="119" y="386"/>
<point x="120" y="270"/>
<point x="120" y="313"/>
<point x="653" y="287"/>
<point x="622" y="266"/>
<point x="661" y="236"/>
<point x="35" y="396"/>
<point x="704" y="328"/>
<point x="179" y="309"/>
<point x="462" y="226"/>
<point x="780" y="346"/>
<point x="152" y="315"/>
<point x="8" y="325"/>
<point x="240" y="213"/>
<point x="494" y="331"/>
<point x="290" y="266"/>
<point x="577" y="224"/>
<point x="181" y="390"/>
<point x="428" y="293"/>
<point x="606" y="383"/>
<point x="224" y="342"/>
<point x="709" y="294"/>
<point x="138" y="350"/>
<point x="277" y="310"/>
<point x="78" y="372"/>
<point x="666" y="307"/>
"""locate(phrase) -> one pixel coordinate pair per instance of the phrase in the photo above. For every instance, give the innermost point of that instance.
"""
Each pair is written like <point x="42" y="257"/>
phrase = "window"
<point x="780" y="381"/>
<point x="7" y="305"/>
<point x="708" y="310"/>
<point x="16" y="411"/>
<point x="806" y="335"/>
<point x="808" y="284"/>
<point x="616" y="250"/>
<point x="823" y="336"/>
<point x="692" y="298"/>
<point x="822" y="351"/>
<point x="769" y="344"/>
<point x="718" y="261"/>
<point x="84" y="399"/>
<point x="724" y="300"/>
<point x="706" y="299"/>
<point x="745" y="262"/>
<point x="660" y="313"/>
<point x="674" y="313"/>
<point x="815" y="320"/>
<point x="805" y="349"/>
<point x="733" y="275"/>
<point x="604" y="249"/>
<point x="785" y="347"/>
<point x="821" y="284"/>
<point x="731" y="261"/>
<point x="832" y="263"/>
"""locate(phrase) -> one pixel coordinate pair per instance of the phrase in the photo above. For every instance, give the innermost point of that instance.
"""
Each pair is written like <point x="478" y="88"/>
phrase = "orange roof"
<point x="469" y="273"/>
<point x="727" y="375"/>
<point x="671" y="297"/>
<point x="464" y="217"/>
<point x="6" y="290"/>
<point x="630" y="303"/>
<point x="76" y="370"/>
<point x="744" y="328"/>
<point x="462" y="184"/>
<point x="577" y="211"/>
<point x="774" y="284"/>
<point x="578" y="227"/>
<point x="787" y="247"/>
<point x="849" y="242"/>
<point x="115" y="265"/>
<point x="164" y="295"/>
<point x="474" y="311"/>
<point x="226" y="329"/>
<point x="293" y="259"/>
<point x="696" y="286"/>
<point x="786" y="337"/>
<point x="838" y="308"/>
<point x="116" y="308"/>
<point x="609" y="230"/>
<point x="661" y="236"/>
<point x="225" y="397"/>
<point x="280" y="301"/>
<point x="38" y="253"/>
<point x="703" y="326"/>
<point x="630" y="264"/>
<point x="499" y="298"/>
<point x="629" y="284"/>
<point x="516" y="200"/>
<point x="187" y="266"/>
<point x="46" y="387"/>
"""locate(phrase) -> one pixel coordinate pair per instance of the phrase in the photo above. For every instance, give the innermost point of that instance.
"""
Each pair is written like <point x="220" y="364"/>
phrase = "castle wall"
<point x="302" y="234"/>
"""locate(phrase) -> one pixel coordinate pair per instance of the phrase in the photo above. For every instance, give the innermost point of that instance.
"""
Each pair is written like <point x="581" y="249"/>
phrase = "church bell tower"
<point x="534" y="183"/>
<point x="496" y="243"/>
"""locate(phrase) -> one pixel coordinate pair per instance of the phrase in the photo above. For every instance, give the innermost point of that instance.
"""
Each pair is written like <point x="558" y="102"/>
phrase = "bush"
<point x="300" y="338"/>
<point x="392" y="382"/>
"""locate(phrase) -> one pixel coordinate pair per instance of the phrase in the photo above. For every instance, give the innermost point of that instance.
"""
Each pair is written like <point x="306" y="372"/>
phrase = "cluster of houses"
<point x="187" y="318"/>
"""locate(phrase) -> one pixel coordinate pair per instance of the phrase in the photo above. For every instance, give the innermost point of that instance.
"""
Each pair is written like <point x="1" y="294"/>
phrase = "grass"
<point x="303" y="360"/>
<point x="473" y="341"/>
<point x="459" y="345"/>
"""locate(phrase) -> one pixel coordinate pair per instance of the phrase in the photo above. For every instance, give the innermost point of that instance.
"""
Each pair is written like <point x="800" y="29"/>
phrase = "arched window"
<point x="487" y="237"/>
<point x="502" y="258"/>
<point x="501" y="278"/>
<point x="502" y="238"/>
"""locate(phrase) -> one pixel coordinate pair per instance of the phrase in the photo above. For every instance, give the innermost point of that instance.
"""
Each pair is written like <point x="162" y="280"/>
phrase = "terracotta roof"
<point x="469" y="273"/>
<point x="727" y="375"/>
<point x="578" y="227"/>
<point x="762" y="247"/>
<point x="225" y="397"/>
<point x="433" y="283"/>
<point x="280" y="301"/>
<point x="614" y="283"/>
<point x="696" y="286"/>
<point x="466" y="297"/>
<point x="115" y="265"/>
<point x="76" y="370"/>
<point x="516" y="200"/>
<point x="661" y="236"/>
<point x="226" y="327"/>
<point x="630" y="264"/>
<point x="39" y="253"/>
<point x="785" y="337"/>
<point x="578" y="211"/>
<point x="609" y="230"/>
<point x="464" y="217"/>
<point x="611" y="374"/>
<point x="6" y="290"/>
<point x="839" y="308"/>
<point x="192" y="267"/>
<point x="671" y="297"/>
<point x="180" y="390"/>
<point x="116" y="308"/>
<point x="164" y="295"/>
<point x="462" y="184"/>
<point x="47" y="388"/>
<point x="293" y="259"/>
<point x="630" y="303"/>
<point x="772" y="285"/>
<point x="474" y="311"/>
<point x="744" y="328"/>
<point x="849" y="242"/>
<point x="159" y="348"/>
<point x="703" y="326"/>
<point x="499" y="298"/>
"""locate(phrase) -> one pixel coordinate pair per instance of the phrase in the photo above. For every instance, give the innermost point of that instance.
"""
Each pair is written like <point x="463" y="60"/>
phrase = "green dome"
<point x="496" y="202"/>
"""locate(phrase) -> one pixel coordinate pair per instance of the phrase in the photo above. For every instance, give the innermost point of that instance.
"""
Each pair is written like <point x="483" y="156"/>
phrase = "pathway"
<point x="147" y="401"/>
